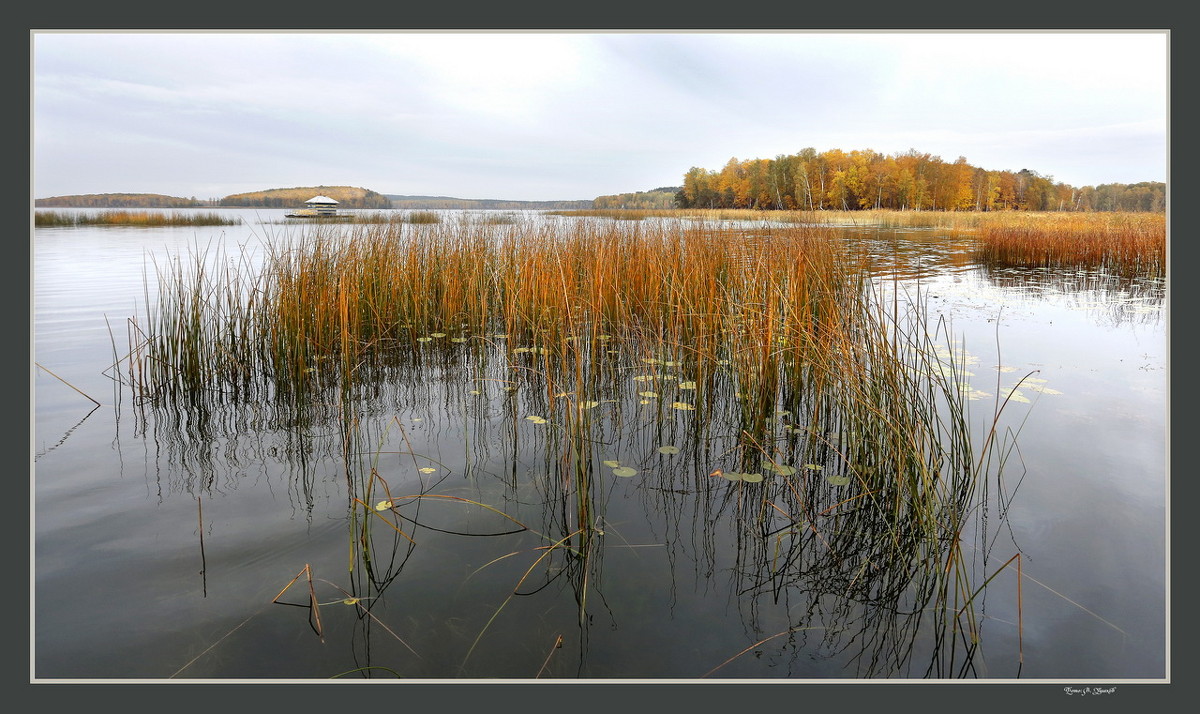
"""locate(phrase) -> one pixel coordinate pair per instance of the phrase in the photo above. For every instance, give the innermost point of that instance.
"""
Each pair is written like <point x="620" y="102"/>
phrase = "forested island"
<point x="346" y="196"/>
<point x="837" y="180"/>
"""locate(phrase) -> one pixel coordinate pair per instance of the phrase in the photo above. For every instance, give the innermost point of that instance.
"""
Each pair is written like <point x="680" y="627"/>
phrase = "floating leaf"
<point x="427" y="470"/>
<point x="813" y="467"/>
<point x="650" y="360"/>
<point x="1043" y="390"/>
<point x="424" y="339"/>
<point x="668" y="449"/>
<point x="644" y="401"/>
<point x="350" y="601"/>
<point x="611" y="464"/>
<point x="752" y="477"/>
<point x="684" y="406"/>
<point x="458" y="339"/>
<point x="781" y="469"/>
<point x="536" y="419"/>
<point x="437" y="334"/>
<point x="383" y="505"/>
<point x="648" y="395"/>
<point x="476" y="391"/>
<point x="687" y="385"/>
<point x="624" y="471"/>
<point x="644" y="378"/>
<point x="1016" y="396"/>
<point x="838" y="479"/>
<point x="589" y="405"/>
<point x="730" y="475"/>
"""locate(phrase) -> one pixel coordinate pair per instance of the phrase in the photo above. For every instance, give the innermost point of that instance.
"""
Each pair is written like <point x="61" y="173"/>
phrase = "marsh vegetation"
<point x="119" y="217"/>
<point x="787" y="393"/>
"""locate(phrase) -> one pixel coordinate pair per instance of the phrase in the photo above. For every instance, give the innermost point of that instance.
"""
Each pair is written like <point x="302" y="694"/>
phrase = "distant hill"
<point x="118" y="200"/>
<point x="346" y="196"/>
<point x="480" y="203"/>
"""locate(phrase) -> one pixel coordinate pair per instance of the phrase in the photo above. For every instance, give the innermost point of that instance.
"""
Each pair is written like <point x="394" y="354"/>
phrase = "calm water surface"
<point x="161" y="540"/>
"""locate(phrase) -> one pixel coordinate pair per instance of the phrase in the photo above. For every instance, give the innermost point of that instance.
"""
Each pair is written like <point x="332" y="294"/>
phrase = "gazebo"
<point x="322" y="205"/>
<point x="318" y="207"/>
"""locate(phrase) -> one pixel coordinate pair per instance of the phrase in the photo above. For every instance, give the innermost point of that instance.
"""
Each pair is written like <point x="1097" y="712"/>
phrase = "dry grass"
<point x="132" y="218"/>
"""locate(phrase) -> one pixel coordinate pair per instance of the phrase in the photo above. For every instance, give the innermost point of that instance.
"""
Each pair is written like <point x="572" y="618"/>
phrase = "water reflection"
<point x="1113" y="299"/>
<point x="438" y="453"/>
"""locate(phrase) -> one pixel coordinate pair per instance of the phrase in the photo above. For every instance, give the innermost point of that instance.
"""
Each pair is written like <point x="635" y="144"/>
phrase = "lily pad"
<point x="684" y="406"/>
<point x="687" y="385"/>
<point x="383" y="505"/>
<point x="668" y="449"/>
<point x="611" y="464"/>
<point x="838" y="479"/>
<point x="624" y="471"/>
<point x="752" y="477"/>
<point x="427" y="470"/>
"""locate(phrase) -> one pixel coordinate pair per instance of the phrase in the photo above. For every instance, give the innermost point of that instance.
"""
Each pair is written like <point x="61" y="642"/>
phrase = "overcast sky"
<point x="575" y="115"/>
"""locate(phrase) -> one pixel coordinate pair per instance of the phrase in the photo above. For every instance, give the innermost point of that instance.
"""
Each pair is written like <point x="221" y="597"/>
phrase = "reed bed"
<point x="1122" y="243"/>
<point x="833" y="411"/>
<point x="132" y="218"/>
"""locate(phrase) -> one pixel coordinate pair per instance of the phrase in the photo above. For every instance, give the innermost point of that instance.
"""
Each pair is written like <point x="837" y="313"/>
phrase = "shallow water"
<point x="161" y="540"/>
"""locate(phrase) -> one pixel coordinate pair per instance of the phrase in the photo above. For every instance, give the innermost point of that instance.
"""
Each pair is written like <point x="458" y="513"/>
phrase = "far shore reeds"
<point x="132" y="218"/>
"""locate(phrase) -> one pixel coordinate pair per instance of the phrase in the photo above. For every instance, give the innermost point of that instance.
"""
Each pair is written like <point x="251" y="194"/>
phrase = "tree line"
<point x="654" y="199"/>
<point x="118" y="200"/>
<point x="859" y="180"/>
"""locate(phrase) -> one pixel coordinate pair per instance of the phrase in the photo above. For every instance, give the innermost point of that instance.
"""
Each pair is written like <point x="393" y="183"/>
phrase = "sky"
<point x="570" y="115"/>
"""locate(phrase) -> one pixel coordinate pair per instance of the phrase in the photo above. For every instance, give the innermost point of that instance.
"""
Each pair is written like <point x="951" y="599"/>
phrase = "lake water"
<point x="161" y="540"/>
